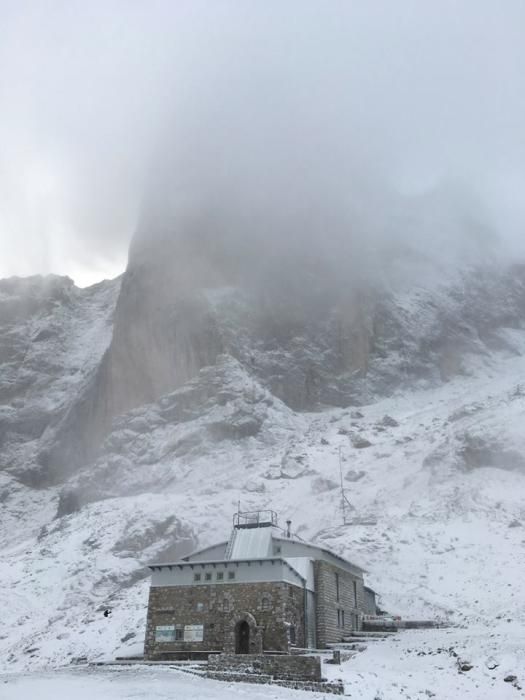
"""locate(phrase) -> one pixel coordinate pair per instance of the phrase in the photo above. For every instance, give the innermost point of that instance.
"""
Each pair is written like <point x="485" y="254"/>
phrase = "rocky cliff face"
<point x="305" y="323"/>
<point x="135" y="414"/>
<point x="301" y="322"/>
<point x="53" y="338"/>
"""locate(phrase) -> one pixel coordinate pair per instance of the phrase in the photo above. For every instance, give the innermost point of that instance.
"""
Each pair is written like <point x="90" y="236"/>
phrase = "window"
<point x="220" y="575"/>
<point x="196" y="577"/>
<point x="207" y="576"/>
<point x="199" y="607"/>
<point x="226" y="605"/>
<point x="179" y="633"/>
<point x="355" y="594"/>
<point x="291" y="592"/>
<point x="265" y="605"/>
<point x="337" y="587"/>
<point x="291" y="632"/>
<point x="340" y="618"/>
<point x="231" y="575"/>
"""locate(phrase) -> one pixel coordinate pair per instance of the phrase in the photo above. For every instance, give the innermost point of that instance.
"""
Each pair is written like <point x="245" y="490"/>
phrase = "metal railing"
<point x="257" y="518"/>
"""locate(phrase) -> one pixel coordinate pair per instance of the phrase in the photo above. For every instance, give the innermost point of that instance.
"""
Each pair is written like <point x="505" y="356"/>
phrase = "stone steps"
<point x="348" y="646"/>
<point x="379" y="634"/>
<point x="358" y="640"/>
<point x="196" y="669"/>
<point x="236" y="677"/>
<point x="334" y="688"/>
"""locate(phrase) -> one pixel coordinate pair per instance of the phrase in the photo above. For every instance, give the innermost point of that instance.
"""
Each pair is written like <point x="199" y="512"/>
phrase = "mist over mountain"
<point x="321" y="212"/>
<point x="317" y="117"/>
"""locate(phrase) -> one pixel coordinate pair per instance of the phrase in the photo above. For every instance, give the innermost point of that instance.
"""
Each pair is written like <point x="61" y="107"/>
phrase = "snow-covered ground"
<point x="446" y="537"/>
<point x="434" y="476"/>
<point x="413" y="665"/>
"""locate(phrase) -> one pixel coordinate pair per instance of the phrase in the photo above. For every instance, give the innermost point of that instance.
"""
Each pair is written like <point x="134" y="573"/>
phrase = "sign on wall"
<point x="193" y="633"/>
<point x="164" y="633"/>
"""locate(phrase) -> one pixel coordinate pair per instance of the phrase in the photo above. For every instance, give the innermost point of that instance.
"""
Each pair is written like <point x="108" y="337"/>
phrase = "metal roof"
<point x="321" y="549"/>
<point x="251" y="543"/>
<point x="204" y="549"/>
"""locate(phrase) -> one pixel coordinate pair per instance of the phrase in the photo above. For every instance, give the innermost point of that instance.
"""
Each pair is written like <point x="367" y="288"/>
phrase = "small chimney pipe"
<point x="288" y="529"/>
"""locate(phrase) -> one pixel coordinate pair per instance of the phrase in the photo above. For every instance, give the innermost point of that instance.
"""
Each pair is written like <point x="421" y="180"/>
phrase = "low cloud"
<point x="296" y="118"/>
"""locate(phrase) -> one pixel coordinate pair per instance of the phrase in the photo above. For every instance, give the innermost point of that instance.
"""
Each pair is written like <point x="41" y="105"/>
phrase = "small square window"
<point x="231" y="575"/>
<point x="207" y="576"/>
<point x="199" y="607"/>
<point x="220" y="575"/>
<point x="196" y="577"/>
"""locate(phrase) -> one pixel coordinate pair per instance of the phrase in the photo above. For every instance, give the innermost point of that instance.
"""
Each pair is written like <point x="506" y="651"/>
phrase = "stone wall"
<point x="298" y="672"/>
<point x="283" y="667"/>
<point x="331" y="627"/>
<point x="332" y="688"/>
<point x="269" y="608"/>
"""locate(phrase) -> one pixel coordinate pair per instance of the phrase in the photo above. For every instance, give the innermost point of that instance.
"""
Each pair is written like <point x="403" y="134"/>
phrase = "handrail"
<point x="255" y="518"/>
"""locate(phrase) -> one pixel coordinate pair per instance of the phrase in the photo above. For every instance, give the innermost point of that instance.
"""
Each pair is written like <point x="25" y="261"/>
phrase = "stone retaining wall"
<point x="333" y="688"/>
<point x="279" y="667"/>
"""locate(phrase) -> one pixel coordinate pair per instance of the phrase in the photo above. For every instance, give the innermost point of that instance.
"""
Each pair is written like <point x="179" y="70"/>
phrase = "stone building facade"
<point x="340" y="601"/>
<point x="262" y="590"/>
<point x="272" y="611"/>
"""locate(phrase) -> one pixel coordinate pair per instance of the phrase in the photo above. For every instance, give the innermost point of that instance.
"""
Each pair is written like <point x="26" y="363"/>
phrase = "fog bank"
<point x="373" y="125"/>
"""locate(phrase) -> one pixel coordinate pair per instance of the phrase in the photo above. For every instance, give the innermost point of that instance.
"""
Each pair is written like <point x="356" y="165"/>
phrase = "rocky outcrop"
<point x="298" y="319"/>
<point x="53" y="337"/>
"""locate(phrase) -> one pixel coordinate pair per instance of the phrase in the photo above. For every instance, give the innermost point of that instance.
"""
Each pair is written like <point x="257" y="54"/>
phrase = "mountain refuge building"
<point x="264" y="589"/>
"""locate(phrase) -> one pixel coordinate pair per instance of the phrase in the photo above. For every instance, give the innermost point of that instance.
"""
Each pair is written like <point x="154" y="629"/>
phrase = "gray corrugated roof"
<point x="321" y="549"/>
<point x="204" y="549"/>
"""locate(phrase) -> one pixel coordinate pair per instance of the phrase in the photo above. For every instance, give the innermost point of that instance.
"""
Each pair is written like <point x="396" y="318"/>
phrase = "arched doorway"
<point x="242" y="637"/>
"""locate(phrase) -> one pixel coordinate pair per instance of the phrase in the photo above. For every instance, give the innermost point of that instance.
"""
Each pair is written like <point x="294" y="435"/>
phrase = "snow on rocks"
<point x="442" y="498"/>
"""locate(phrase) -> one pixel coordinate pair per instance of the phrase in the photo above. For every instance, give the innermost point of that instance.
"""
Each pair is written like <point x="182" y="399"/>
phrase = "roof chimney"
<point x="288" y="529"/>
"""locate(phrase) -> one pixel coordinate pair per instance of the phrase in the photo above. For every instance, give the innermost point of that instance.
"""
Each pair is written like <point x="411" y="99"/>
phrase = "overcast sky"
<point x="93" y="95"/>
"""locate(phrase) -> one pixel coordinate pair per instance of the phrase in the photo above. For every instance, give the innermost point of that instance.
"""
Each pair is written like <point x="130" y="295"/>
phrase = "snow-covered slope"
<point x="52" y="339"/>
<point x="433" y="462"/>
<point x="448" y="537"/>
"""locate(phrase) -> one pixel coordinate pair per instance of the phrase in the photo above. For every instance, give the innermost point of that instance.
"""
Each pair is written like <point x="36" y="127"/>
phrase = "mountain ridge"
<point x="427" y="432"/>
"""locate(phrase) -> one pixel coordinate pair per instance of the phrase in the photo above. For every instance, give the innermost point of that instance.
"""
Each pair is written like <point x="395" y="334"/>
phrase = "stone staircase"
<point x="357" y="642"/>
<point x="363" y="636"/>
<point x="195" y="668"/>
<point x="297" y="672"/>
<point x="332" y="688"/>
